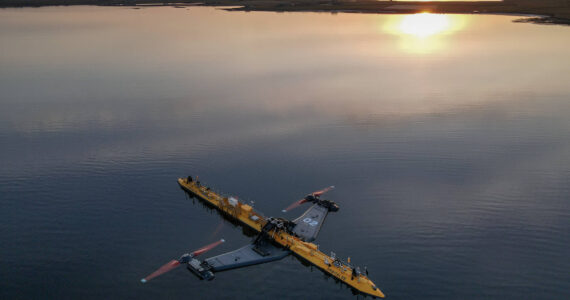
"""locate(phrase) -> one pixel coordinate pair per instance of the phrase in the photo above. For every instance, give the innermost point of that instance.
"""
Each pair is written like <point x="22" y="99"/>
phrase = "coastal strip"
<point x="541" y="11"/>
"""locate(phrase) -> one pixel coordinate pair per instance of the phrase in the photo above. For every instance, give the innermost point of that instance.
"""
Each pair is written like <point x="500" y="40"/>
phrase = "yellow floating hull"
<point x="248" y="216"/>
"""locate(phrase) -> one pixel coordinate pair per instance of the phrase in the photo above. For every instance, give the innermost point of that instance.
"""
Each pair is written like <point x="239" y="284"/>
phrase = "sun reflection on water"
<point x="424" y="24"/>
<point x="423" y="33"/>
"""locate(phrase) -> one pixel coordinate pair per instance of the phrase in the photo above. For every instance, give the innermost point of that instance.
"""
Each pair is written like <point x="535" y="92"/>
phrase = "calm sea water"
<point x="447" y="137"/>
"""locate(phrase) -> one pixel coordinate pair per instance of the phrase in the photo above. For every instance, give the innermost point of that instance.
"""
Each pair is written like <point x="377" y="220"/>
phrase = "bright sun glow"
<point x="424" y="33"/>
<point x="424" y="24"/>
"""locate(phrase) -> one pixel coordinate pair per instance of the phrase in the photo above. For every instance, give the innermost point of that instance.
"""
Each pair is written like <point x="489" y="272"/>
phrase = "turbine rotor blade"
<point x="207" y="248"/>
<point x="318" y="193"/>
<point x="295" y="204"/>
<point x="165" y="268"/>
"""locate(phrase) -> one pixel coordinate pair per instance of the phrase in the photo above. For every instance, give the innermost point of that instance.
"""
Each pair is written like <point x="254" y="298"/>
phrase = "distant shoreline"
<point x="544" y="11"/>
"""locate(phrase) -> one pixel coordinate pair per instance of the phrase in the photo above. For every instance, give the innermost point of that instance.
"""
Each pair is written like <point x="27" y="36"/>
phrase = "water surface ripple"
<point x="449" y="148"/>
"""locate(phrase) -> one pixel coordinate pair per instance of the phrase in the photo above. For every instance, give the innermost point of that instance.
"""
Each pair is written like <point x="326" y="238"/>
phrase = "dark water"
<point x="449" y="144"/>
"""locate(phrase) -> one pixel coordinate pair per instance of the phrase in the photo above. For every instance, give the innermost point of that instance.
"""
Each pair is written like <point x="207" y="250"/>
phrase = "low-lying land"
<point x="550" y="11"/>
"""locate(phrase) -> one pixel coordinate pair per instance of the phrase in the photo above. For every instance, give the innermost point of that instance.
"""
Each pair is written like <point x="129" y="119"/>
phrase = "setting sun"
<point x="424" y="24"/>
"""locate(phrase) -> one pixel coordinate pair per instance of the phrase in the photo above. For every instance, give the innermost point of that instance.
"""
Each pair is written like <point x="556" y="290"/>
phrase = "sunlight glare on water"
<point x="424" y="24"/>
<point x="424" y="33"/>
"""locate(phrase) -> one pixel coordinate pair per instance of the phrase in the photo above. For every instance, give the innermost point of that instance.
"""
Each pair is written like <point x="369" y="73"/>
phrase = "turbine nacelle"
<point x="200" y="268"/>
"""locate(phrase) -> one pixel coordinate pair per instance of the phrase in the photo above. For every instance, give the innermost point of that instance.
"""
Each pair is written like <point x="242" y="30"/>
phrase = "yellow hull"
<point x="308" y="251"/>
